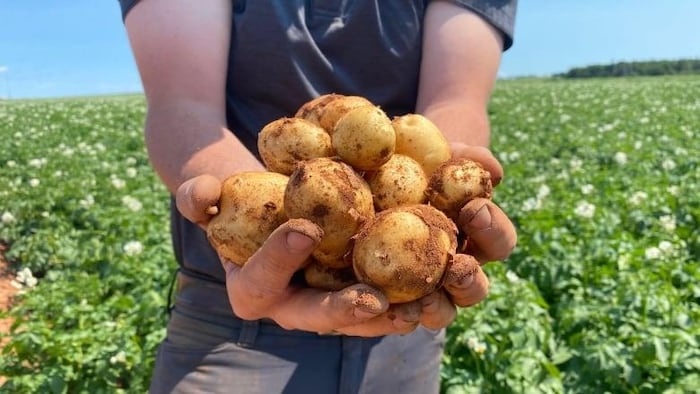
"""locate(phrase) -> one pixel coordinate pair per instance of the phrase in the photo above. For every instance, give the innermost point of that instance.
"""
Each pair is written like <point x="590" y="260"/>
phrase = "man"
<point x="214" y="72"/>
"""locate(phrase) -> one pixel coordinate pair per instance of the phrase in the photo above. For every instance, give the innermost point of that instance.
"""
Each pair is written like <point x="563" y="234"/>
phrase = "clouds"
<point x="4" y="69"/>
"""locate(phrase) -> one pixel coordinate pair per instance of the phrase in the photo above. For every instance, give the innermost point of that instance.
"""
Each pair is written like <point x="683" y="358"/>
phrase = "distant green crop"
<point x="601" y="295"/>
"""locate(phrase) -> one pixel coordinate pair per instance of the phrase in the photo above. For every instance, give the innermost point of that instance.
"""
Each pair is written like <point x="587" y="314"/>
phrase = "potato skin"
<point x="251" y="207"/>
<point x="409" y="263"/>
<point x="455" y="183"/>
<point x="322" y="277"/>
<point x="400" y="181"/>
<point x="337" y="108"/>
<point x="364" y="138"/>
<point x="333" y="196"/>
<point x="284" y="142"/>
<point x="313" y="109"/>
<point x="419" y="138"/>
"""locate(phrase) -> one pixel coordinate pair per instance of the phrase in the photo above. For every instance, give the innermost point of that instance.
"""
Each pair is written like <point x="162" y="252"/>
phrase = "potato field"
<point x="602" y="293"/>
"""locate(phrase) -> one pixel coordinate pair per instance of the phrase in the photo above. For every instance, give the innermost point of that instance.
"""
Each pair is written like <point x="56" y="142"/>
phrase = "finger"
<point x="465" y="282"/>
<point x="398" y="319"/>
<point x="324" y="312"/>
<point x="266" y="275"/>
<point x="491" y="235"/>
<point x="197" y="198"/>
<point x="480" y="155"/>
<point x="438" y="311"/>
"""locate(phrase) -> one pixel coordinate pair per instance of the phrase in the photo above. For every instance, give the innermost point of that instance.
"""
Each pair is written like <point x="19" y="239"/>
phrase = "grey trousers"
<point x="209" y="350"/>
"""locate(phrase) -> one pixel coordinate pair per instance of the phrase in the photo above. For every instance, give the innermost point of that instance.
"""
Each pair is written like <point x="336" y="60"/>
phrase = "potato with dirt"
<point x="420" y="139"/>
<point x="337" y="108"/>
<point x="250" y="207"/>
<point x="400" y="181"/>
<point x="455" y="183"/>
<point x="284" y="142"/>
<point x="325" y="110"/>
<point x="323" y="277"/>
<point x="364" y="138"/>
<point x="405" y="251"/>
<point x="312" y="110"/>
<point x="332" y="195"/>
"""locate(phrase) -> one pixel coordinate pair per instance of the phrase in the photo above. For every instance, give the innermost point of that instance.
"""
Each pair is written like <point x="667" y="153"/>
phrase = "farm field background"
<point x="601" y="294"/>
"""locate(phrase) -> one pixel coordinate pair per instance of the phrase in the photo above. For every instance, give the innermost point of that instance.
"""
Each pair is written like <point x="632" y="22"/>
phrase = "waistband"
<point x="208" y="302"/>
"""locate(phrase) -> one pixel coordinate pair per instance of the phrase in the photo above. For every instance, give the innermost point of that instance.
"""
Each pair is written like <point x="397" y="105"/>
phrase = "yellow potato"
<point x="313" y="109"/>
<point x="420" y="139"/>
<point x="337" y="107"/>
<point x="405" y="251"/>
<point x="401" y="181"/>
<point x="284" y="142"/>
<point x="364" y="138"/>
<point x="455" y="183"/>
<point x="333" y="196"/>
<point x="320" y="276"/>
<point x="251" y="206"/>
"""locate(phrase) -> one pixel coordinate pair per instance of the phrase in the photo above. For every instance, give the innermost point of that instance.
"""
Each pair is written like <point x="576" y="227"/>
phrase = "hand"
<point x="261" y="288"/>
<point x="491" y="235"/>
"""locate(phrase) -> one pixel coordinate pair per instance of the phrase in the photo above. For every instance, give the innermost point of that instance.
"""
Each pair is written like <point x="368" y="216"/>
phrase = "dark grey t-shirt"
<point x="285" y="53"/>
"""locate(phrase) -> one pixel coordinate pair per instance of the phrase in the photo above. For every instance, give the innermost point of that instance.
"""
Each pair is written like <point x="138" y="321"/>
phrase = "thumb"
<point x="284" y="252"/>
<point x="197" y="198"/>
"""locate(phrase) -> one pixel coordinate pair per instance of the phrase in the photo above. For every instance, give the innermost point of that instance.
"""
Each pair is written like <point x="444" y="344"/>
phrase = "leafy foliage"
<point x="601" y="294"/>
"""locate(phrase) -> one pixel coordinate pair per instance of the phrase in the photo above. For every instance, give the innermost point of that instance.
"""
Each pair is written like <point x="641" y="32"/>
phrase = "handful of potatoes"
<point x="385" y="192"/>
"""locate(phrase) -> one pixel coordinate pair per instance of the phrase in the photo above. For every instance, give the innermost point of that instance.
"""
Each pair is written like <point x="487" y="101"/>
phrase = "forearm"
<point x="185" y="139"/>
<point x="461" y="57"/>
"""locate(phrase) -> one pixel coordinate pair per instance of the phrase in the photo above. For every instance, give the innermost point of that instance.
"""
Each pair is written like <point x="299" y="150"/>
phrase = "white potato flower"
<point x="668" y="165"/>
<point x="8" y="217"/>
<point x="621" y="158"/>
<point x="24" y="278"/>
<point x="576" y="163"/>
<point x="666" y="247"/>
<point x="119" y="358"/>
<point x="638" y="197"/>
<point x="476" y="345"/>
<point x="132" y="203"/>
<point x="584" y="209"/>
<point x="668" y="223"/>
<point x="652" y="253"/>
<point x="118" y="183"/>
<point x="133" y="248"/>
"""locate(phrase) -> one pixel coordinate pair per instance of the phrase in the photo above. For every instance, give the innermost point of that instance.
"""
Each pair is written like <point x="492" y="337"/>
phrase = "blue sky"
<point x="51" y="48"/>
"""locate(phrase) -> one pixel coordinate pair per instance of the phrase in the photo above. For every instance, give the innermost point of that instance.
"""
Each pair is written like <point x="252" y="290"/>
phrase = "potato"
<point x="313" y="109"/>
<point x="251" y="206"/>
<point x="322" y="277"/>
<point x="401" y="181"/>
<point x="284" y="142"/>
<point x="364" y="138"/>
<point x="333" y="196"/>
<point x="420" y="139"/>
<point x="337" y="107"/>
<point x="456" y="182"/>
<point x="405" y="251"/>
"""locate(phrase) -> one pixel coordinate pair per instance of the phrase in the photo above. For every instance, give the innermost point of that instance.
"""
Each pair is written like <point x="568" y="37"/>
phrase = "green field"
<point x="601" y="294"/>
